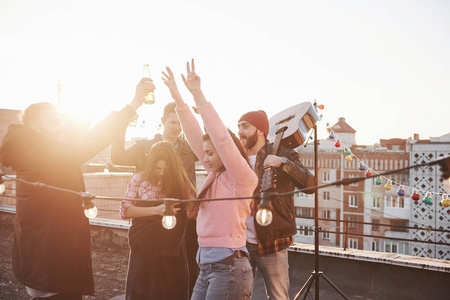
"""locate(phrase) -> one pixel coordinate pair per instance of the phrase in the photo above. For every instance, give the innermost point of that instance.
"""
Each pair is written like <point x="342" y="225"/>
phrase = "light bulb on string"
<point x="401" y="191"/>
<point x="331" y="136"/>
<point x="320" y="117"/>
<point x="348" y="158"/>
<point x="90" y="210"/>
<point x="321" y="106"/>
<point x="106" y="170"/>
<point x="362" y="167"/>
<point x="328" y="127"/>
<point x="143" y="124"/>
<point x="388" y="185"/>
<point x="264" y="215"/>
<point x="445" y="202"/>
<point x="369" y="173"/>
<point x="415" y="196"/>
<point x="169" y="220"/>
<point x="337" y="144"/>
<point x="378" y="181"/>
<point x="428" y="199"/>
<point x="347" y="151"/>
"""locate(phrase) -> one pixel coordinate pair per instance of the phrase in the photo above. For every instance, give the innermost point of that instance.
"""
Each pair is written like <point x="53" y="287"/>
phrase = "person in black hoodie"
<point x="51" y="251"/>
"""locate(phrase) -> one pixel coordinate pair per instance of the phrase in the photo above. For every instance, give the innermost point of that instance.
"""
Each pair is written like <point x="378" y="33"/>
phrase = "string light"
<point x="169" y="220"/>
<point x="415" y="196"/>
<point x="331" y="136"/>
<point x="90" y="210"/>
<point x="445" y="202"/>
<point x="388" y="185"/>
<point x="337" y="144"/>
<point x="369" y="173"/>
<point x="378" y="181"/>
<point x="401" y="191"/>
<point x="444" y="168"/>
<point x="428" y="199"/>
<point x="264" y="215"/>
<point x="362" y="167"/>
<point x="320" y="117"/>
<point x="321" y="106"/>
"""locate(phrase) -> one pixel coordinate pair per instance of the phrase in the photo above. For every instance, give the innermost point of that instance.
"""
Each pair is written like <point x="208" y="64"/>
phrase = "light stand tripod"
<point x="316" y="274"/>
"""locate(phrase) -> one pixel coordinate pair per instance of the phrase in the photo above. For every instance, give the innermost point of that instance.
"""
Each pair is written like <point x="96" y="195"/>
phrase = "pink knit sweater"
<point x="220" y="223"/>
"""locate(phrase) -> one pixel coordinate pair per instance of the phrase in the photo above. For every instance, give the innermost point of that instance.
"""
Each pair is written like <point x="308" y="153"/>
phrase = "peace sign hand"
<point x="192" y="81"/>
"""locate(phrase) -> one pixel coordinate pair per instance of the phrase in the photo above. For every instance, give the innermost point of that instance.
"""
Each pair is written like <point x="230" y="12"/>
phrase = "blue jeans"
<point x="275" y="270"/>
<point x="221" y="281"/>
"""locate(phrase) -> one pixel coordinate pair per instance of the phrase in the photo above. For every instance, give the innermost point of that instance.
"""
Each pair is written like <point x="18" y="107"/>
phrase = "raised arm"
<point x="189" y="123"/>
<point x="220" y="137"/>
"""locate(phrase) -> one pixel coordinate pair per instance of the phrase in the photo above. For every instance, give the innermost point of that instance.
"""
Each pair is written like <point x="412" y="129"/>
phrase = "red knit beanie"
<point x="257" y="118"/>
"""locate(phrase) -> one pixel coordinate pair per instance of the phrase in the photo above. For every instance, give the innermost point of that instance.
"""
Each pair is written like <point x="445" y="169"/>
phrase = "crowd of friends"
<point x="216" y="247"/>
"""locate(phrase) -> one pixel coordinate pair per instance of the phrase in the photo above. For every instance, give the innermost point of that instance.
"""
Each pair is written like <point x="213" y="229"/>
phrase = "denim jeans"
<point x="221" y="281"/>
<point x="275" y="270"/>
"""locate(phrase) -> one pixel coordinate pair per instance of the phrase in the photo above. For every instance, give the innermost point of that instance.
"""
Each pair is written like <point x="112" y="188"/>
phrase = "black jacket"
<point x="292" y="174"/>
<point x="51" y="250"/>
<point x="136" y="155"/>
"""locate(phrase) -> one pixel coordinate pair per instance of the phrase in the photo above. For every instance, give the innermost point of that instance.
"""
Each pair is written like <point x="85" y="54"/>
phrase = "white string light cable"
<point x="415" y="192"/>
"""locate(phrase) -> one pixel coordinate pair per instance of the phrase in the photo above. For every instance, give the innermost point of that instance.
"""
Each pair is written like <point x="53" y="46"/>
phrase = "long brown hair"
<point x="175" y="183"/>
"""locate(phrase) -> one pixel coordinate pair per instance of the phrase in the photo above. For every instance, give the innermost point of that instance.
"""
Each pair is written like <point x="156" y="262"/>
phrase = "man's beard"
<point x="251" y="140"/>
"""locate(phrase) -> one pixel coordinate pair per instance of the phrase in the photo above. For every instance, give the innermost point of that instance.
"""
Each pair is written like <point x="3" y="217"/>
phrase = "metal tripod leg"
<point x="306" y="286"/>
<point x="333" y="285"/>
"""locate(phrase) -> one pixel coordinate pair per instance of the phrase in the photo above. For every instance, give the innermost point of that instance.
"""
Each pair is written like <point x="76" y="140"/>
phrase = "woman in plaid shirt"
<point x="157" y="266"/>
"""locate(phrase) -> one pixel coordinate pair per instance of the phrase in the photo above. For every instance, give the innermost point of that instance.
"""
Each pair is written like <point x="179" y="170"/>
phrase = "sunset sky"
<point x="383" y="65"/>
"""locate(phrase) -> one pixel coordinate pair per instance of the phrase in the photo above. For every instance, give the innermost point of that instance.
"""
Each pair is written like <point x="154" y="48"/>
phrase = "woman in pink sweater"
<point x="225" y="271"/>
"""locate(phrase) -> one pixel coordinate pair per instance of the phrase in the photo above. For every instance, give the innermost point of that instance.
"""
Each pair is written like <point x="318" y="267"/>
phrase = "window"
<point x="326" y="176"/>
<point x="305" y="231"/>
<point x="326" y="196"/>
<point x="326" y="235"/>
<point x="376" y="246"/>
<point x="376" y="202"/>
<point x="375" y="225"/>
<point x="398" y="225"/>
<point x="304" y="212"/>
<point x="352" y="243"/>
<point x="352" y="222"/>
<point x="395" y="247"/>
<point x="395" y="148"/>
<point x="354" y="183"/>
<point x="326" y="214"/>
<point x="394" y="202"/>
<point x="305" y="196"/>
<point x="353" y="201"/>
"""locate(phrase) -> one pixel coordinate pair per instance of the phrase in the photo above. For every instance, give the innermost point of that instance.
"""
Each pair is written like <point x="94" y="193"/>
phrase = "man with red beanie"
<point x="268" y="245"/>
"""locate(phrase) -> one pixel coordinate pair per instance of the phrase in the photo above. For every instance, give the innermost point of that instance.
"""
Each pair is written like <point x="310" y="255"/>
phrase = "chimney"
<point x="416" y="136"/>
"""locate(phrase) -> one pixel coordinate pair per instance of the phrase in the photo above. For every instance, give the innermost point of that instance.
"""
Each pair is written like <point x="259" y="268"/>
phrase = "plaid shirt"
<point x="275" y="246"/>
<point x="138" y="189"/>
